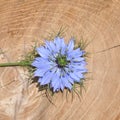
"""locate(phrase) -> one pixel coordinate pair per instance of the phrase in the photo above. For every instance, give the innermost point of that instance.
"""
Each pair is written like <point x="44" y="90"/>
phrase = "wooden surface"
<point x="24" y="21"/>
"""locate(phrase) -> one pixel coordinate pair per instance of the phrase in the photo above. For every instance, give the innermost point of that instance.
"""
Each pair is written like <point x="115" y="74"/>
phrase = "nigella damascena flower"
<point x="59" y="65"/>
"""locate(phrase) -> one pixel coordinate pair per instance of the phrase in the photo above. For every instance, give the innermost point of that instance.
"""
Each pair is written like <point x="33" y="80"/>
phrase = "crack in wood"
<point x="108" y="49"/>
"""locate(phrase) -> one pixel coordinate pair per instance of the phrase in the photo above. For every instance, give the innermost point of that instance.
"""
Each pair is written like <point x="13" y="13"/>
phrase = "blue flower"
<point x="59" y="65"/>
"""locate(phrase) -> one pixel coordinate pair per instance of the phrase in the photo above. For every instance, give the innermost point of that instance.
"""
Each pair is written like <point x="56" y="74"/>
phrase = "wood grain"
<point x="24" y="21"/>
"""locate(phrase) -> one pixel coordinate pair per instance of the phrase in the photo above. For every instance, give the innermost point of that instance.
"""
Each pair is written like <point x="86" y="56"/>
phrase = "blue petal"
<point x="67" y="70"/>
<point x="58" y="72"/>
<point x="63" y="43"/>
<point x="78" y="59"/>
<point x="54" y="69"/>
<point x="76" y="67"/>
<point x="43" y="52"/>
<point x="57" y="42"/>
<point x="79" y="74"/>
<point x="41" y="65"/>
<point x="73" y="76"/>
<point x="47" y="44"/>
<point x="66" y="83"/>
<point x="39" y="73"/>
<point x="53" y="47"/>
<point x="63" y="47"/>
<point x="75" y="53"/>
<point x="84" y="71"/>
<point x="60" y="45"/>
<point x="46" y="78"/>
<point x="40" y="61"/>
<point x="69" y="79"/>
<point x="55" y="83"/>
<point x="70" y="45"/>
<point x="50" y="46"/>
<point x="78" y="63"/>
<point x="62" y="86"/>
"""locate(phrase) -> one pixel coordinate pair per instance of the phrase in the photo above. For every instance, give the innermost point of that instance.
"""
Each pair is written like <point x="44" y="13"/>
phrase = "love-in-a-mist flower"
<point x="59" y="65"/>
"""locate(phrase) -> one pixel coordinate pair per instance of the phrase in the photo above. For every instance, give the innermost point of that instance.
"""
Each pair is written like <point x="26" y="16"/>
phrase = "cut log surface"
<point x="24" y="22"/>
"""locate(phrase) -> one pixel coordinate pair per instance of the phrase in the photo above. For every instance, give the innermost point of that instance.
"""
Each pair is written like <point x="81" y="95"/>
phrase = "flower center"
<point x="61" y="61"/>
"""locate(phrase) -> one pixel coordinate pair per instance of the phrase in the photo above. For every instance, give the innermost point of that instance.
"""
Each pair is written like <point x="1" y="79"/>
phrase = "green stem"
<point x="11" y="64"/>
